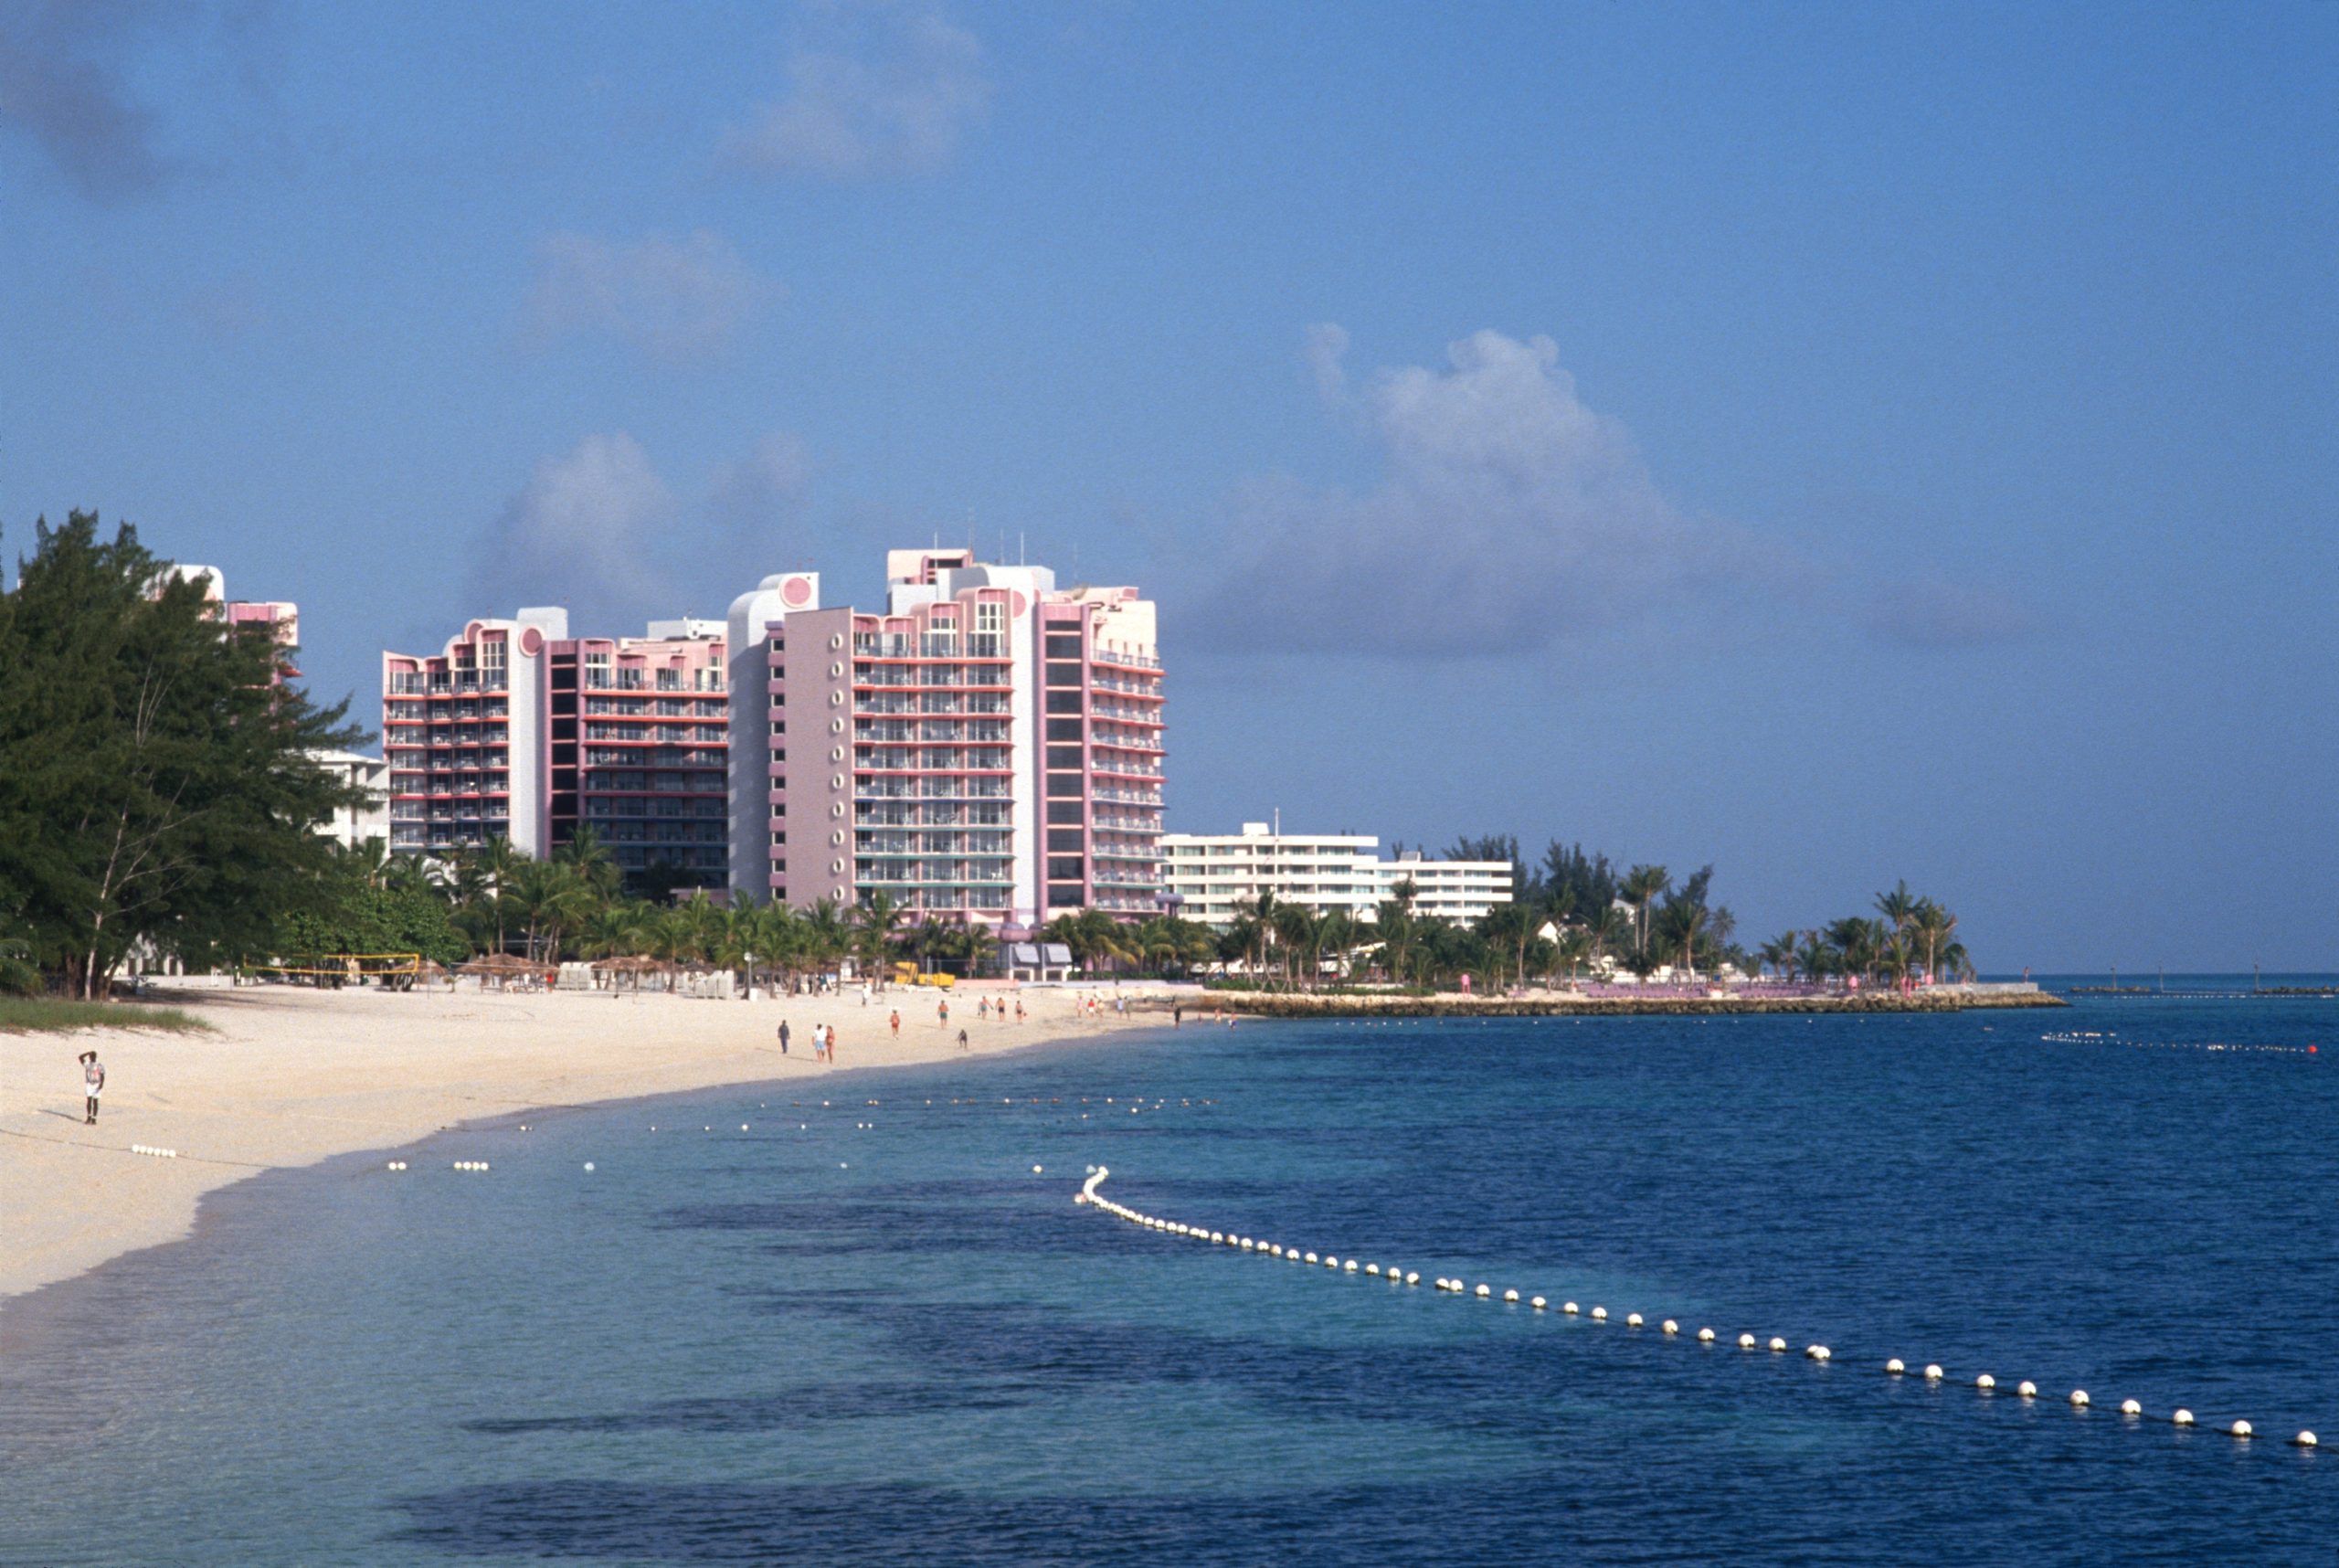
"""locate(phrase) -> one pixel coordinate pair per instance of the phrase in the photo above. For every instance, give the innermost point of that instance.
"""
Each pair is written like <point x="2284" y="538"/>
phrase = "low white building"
<point x="351" y="826"/>
<point x="1458" y="890"/>
<point x="1215" y="875"/>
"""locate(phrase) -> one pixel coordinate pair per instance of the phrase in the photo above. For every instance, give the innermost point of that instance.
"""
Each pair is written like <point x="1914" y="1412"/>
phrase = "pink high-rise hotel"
<point x="517" y="730"/>
<point x="988" y="748"/>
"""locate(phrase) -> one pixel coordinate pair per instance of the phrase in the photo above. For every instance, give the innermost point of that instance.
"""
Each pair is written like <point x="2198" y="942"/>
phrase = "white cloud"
<point x="675" y="299"/>
<point x="894" y="101"/>
<point x="581" y="534"/>
<point x="764" y="487"/>
<point x="1506" y="514"/>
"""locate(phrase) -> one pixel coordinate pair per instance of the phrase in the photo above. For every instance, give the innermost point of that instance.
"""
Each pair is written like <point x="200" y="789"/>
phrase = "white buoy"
<point x="2181" y="1418"/>
<point x="1332" y="1262"/>
<point x="1510" y="1294"/>
<point x="1985" y="1380"/>
<point x="2130" y="1407"/>
<point x="1705" y="1336"/>
<point x="1349" y="1268"/>
<point x="1484" y="1291"/>
<point x="1894" y="1367"/>
<point x="1671" y="1327"/>
<point x="2240" y="1429"/>
<point x="2304" y="1440"/>
<point x="1569" y="1307"/>
<point x="2079" y="1399"/>
<point x="1600" y="1314"/>
<point x="1818" y="1353"/>
<point x="1036" y="1170"/>
<point x="743" y="1127"/>
<point x="1933" y="1372"/>
<point x="2027" y="1389"/>
<point x="1413" y="1279"/>
<point x="1745" y="1341"/>
<point x="589" y="1165"/>
<point x="1311" y="1258"/>
<point x="1631" y="1319"/>
<point x="1777" y="1344"/>
<point x="1538" y="1304"/>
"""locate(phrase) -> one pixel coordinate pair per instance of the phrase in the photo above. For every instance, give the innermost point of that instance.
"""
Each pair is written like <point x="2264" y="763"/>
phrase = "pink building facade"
<point x="986" y="749"/>
<point x="639" y="731"/>
<point x="464" y="734"/>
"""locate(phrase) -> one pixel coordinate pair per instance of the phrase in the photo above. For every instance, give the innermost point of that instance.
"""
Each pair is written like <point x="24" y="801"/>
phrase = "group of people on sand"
<point x="824" y="1040"/>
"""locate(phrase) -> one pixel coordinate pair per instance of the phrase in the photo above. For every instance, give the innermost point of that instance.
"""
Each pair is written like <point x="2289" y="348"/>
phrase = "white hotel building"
<point x="1212" y="876"/>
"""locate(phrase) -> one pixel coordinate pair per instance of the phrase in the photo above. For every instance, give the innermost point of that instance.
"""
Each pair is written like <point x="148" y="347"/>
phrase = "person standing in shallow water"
<point x="93" y="1084"/>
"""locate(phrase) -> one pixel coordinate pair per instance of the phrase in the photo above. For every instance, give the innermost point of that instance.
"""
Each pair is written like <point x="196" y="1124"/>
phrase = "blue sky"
<point x="1837" y="443"/>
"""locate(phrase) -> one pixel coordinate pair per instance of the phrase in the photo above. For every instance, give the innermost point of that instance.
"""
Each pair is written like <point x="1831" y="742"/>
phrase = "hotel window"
<point x="1064" y="729"/>
<point x="1066" y="812"/>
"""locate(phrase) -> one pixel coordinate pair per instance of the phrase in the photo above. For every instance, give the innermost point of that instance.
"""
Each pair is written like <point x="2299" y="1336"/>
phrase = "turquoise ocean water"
<point x="860" y="1334"/>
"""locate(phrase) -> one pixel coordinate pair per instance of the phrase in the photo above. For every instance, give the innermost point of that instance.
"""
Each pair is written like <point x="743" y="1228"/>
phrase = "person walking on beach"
<point x="962" y="1040"/>
<point x="830" y="1038"/>
<point x="1018" y="1010"/>
<point x="783" y="1037"/>
<point x="895" y="1021"/>
<point x="93" y="1084"/>
<point x="942" y="1014"/>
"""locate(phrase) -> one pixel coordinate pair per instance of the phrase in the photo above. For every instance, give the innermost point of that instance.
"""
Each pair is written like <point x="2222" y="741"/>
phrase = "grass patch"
<point x="48" y="1014"/>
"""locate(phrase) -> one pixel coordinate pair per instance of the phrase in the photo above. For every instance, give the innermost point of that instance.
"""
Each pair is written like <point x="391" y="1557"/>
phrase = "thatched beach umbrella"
<point x="633" y="965"/>
<point x="499" y="968"/>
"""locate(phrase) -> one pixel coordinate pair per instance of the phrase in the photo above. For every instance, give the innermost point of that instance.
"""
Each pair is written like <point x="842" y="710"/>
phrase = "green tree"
<point x="156" y="781"/>
<point x="1642" y="884"/>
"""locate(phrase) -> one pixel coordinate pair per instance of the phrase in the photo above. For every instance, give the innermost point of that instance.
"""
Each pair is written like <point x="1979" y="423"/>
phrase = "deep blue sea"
<point x="871" y="1333"/>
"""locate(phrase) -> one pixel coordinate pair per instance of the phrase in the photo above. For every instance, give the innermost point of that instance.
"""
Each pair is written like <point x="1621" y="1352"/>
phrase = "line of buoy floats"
<point x="1985" y="1382"/>
<point x="157" y="1153"/>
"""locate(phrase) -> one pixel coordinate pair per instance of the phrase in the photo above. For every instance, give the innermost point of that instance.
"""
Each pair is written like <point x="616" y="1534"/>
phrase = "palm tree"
<point x="1397" y="927"/>
<point x="1644" y="884"/>
<point x="1682" y="924"/>
<point x="1509" y="928"/>
<point x="1295" y="928"/>
<point x="552" y="898"/>
<point x="1898" y="907"/>
<point x="981" y="947"/>
<point x="1779" y="953"/>
<point x="1604" y="928"/>
<point x="614" y="930"/>
<point x="826" y="935"/>
<point x="1570" y="951"/>
<point x="594" y="862"/>
<point x="1937" y="928"/>
<point x="877" y="919"/>
<point x="1337" y="934"/>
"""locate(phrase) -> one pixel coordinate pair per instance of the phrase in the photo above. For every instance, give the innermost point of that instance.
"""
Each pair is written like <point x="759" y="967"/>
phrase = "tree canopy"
<point x="156" y="781"/>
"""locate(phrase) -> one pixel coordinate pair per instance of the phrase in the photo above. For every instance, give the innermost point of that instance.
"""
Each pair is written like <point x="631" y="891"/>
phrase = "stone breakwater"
<point x="1284" y="1004"/>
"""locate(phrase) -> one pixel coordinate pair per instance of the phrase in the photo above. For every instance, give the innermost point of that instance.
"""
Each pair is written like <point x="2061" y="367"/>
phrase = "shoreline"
<point x="293" y="1077"/>
<point x="1305" y="1004"/>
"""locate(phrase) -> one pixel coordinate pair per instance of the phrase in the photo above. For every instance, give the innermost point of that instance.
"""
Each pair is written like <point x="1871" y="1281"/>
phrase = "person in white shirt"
<point x="93" y="1084"/>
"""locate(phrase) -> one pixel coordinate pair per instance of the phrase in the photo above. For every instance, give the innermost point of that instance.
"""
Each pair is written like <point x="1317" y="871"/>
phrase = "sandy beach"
<point x="293" y="1076"/>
